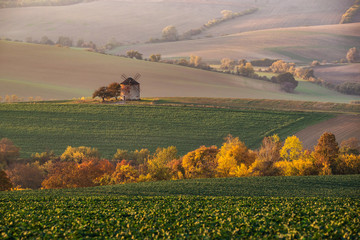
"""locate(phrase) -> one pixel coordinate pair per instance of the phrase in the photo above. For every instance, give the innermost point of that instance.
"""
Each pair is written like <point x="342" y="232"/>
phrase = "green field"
<point x="114" y="212"/>
<point x="54" y="126"/>
<point x="345" y="186"/>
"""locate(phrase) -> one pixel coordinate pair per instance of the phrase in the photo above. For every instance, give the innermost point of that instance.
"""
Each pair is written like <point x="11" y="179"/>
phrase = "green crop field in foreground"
<point x="54" y="126"/>
<point x="114" y="212"/>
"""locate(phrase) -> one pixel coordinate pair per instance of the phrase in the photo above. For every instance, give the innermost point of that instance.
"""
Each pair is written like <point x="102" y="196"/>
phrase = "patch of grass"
<point x="38" y="127"/>
<point x="258" y="104"/>
<point x="303" y="186"/>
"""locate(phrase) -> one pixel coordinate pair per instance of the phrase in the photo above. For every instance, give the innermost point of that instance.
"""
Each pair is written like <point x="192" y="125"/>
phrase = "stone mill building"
<point x="130" y="89"/>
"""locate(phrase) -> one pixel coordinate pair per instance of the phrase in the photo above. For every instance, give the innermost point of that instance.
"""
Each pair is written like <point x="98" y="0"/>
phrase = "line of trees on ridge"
<point x="84" y="167"/>
<point x="170" y="33"/>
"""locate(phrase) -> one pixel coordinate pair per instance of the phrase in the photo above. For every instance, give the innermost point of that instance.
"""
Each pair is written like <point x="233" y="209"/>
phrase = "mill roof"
<point x="130" y="81"/>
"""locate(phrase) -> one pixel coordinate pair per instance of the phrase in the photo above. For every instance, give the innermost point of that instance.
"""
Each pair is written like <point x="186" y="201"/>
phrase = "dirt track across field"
<point x="343" y="126"/>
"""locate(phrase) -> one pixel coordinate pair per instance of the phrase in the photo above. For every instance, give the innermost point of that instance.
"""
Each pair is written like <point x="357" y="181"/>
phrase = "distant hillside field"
<point x="296" y="44"/>
<point x="60" y="73"/>
<point x="339" y="74"/>
<point x="138" y="21"/>
<point x="43" y="126"/>
<point x="344" y="127"/>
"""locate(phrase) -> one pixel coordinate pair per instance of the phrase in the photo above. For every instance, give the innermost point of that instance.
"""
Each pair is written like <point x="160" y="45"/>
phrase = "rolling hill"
<point x="298" y="44"/>
<point x="138" y="21"/>
<point x="61" y="73"/>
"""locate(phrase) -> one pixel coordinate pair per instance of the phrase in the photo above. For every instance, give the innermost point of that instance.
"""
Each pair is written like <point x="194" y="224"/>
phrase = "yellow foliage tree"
<point x="79" y="154"/>
<point x="347" y="164"/>
<point x="158" y="165"/>
<point x="292" y="149"/>
<point x="200" y="163"/>
<point x="124" y="173"/>
<point x="195" y="61"/>
<point x="232" y="154"/>
<point x="303" y="166"/>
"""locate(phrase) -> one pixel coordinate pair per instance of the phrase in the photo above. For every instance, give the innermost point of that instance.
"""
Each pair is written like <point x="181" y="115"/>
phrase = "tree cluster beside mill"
<point x="128" y="90"/>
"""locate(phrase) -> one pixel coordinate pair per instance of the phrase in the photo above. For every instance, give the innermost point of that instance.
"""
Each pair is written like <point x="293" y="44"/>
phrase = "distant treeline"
<point x="31" y="3"/>
<point x="307" y="73"/>
<point x="84" y="167"/>
<point x="13" y="99"/>
<point x="349" y="15"/>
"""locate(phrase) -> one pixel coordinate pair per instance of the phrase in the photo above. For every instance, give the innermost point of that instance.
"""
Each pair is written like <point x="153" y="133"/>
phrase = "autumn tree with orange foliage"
<point x="8" y="152"/>
<point x="177" y="170"/>
<point x="26" y="175"/>
<point x="268" y="155"/>
<point x="5" y="183"/>
<point x="201" y="163"/>
<point x="347" y="164"/>
<point x="326" y="152"/>
<point x="124" y="173"/>
<point x="71" y="174"/>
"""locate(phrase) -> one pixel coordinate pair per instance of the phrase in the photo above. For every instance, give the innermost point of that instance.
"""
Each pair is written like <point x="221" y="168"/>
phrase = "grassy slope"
<point x="257" y="104"/>
<point x="60" y="73"/>
<point x="38" y="127"/>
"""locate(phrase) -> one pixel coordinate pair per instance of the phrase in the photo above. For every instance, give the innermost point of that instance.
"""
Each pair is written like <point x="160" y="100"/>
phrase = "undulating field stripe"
<point x="53" y="126"/>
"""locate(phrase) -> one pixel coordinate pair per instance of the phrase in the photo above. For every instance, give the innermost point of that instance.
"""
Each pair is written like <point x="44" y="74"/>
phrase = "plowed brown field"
<point x="344" y="127"/>
<point x="339" y="74"/>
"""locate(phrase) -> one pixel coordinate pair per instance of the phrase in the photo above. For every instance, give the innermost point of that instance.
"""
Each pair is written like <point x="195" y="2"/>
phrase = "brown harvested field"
<point x="99" y="21"/>
<point x="339" y="73"/>
<point x="343" y="126"/>
<point x="300" y="44"/>
<point x="138" y="21"/>
<point x="62" y="73"/>
<point x="284" y="14"/>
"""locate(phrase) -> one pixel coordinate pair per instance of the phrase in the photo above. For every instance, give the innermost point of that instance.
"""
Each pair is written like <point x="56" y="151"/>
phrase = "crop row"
<point x="40" y="127"/>
<point x="178" y="217"/>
